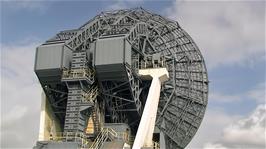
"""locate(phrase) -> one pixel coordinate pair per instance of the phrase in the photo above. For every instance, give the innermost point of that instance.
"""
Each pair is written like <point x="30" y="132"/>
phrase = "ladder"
<point x="95" y="120"/>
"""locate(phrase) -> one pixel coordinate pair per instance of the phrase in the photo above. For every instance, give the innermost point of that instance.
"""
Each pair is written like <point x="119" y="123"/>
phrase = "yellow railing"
<point x="91" y="94"/>
<point x="123" y="136"/>
<point x="78" y="73"/>
<point x="69" y="137"/>
<point x="102" y="137"/>
<point x="156" y="145"/>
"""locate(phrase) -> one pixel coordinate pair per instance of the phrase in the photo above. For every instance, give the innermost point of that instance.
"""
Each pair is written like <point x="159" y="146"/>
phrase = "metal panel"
<point x="49" y="57"/>
<point x="112" y="72"/>
<point x="109" y="51"/>
<point x="53" y="56"/>
<point x="127" y="52"/>
<point x="67" y="57"/>
<point x="90" y="52"/>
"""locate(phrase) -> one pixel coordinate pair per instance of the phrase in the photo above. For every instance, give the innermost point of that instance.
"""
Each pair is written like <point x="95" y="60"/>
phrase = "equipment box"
<point x="52" y="59"/>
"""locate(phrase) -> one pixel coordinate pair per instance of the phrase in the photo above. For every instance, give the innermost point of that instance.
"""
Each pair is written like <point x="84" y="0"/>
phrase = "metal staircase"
<point x="103" y="136"/>
<point x="79" y="80"/>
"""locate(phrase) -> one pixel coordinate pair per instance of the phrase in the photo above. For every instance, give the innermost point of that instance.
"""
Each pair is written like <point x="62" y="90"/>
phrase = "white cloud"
<point x="29" y="5"/>
<point x="256" y="94"/>
<point x="20" y="96"/>
<point x="220" y="130"/>
<point x="247" y="132"/>
<point x="17" y="112"/>
<point x="123" y="4"/>
<point x="222" y="98"/>
<point x="211" y="128"/>
<point x="120" y="4"/>
<point x="223" y="130"/>
<point x="213" y="146"/>
<point x="227" y="33"/>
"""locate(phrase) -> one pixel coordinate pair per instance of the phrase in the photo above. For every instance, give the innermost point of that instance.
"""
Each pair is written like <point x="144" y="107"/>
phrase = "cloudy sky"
<point x="230" y="35"/>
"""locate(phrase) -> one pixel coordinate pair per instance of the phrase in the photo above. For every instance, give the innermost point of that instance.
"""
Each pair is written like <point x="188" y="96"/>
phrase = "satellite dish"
<point x="111" y="49"/>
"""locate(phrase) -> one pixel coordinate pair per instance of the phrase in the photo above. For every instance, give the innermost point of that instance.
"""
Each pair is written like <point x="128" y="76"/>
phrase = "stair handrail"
<point x="64" y="136"/>
<point x="102" y="137"/>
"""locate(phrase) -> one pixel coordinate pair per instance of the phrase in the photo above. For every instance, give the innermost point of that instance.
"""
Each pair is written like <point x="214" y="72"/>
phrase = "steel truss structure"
<point x="81" y="90"/>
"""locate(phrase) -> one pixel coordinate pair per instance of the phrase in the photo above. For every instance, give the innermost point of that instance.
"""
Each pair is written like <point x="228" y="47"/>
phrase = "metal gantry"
<point x="183" y="98"/>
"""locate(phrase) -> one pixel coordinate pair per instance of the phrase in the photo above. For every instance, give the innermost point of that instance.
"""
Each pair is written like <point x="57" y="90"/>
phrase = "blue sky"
<point x="230" y="35"/>
<point x="52" y="17"/>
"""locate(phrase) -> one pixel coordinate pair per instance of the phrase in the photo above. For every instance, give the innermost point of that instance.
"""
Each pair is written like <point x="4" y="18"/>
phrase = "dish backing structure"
<point x="97" y="81"/>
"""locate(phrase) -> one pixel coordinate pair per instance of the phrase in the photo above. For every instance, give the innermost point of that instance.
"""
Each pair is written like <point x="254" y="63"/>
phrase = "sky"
<point x="230" y="35"/>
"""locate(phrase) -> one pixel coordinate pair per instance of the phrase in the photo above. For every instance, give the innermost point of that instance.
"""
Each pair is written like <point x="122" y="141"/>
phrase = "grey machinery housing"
<point x="101" y="60"/>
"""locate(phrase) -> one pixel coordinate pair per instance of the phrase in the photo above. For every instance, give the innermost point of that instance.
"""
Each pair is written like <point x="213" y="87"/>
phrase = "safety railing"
<point x="152" y="64"/>
<point x="131" y="140"/>
<point x="102" y="137"/>
<point x="69" y="137"/>
<point x="124" y="136"/>
<point x="156" y="145"/>
<point x="91" y="94"/>
<point x="78" y="73"/>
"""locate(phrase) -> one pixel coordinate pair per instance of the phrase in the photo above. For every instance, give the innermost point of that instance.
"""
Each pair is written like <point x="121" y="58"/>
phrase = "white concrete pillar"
<point x="42" y="118"/>
<point x="147" y="122"/>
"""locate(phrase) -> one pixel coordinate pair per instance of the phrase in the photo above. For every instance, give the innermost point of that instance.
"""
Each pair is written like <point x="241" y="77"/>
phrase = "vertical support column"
<point x="147" y="122"/>
<point x="42" y="136"/>
<point x="74" y="122"/>
<point x="49" y="124"/>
